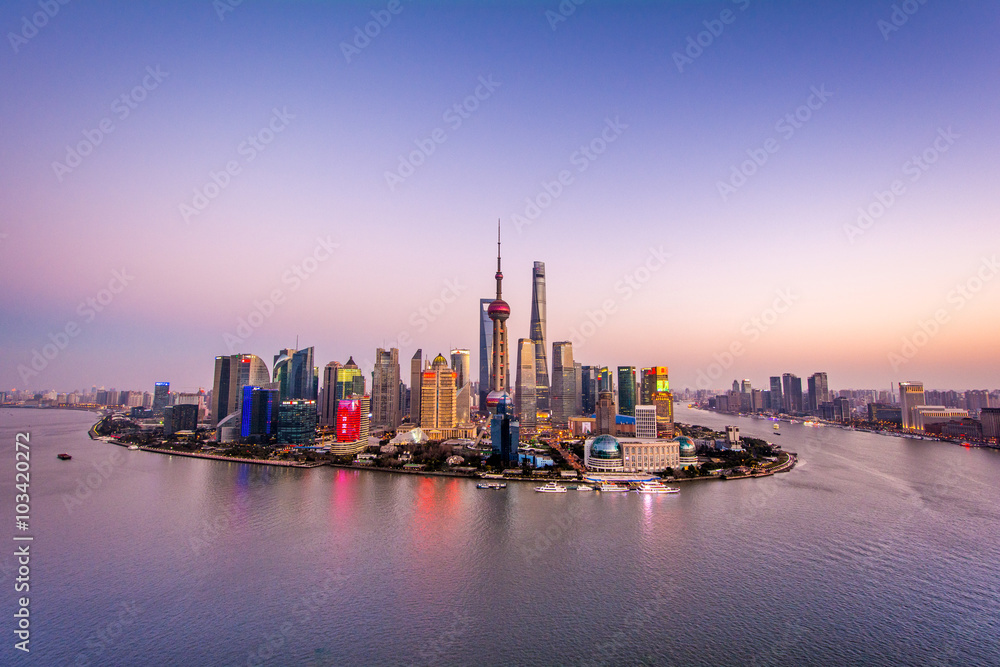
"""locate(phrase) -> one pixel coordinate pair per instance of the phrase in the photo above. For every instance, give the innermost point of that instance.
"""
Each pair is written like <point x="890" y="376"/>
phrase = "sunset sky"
<point x="214" y="155"/>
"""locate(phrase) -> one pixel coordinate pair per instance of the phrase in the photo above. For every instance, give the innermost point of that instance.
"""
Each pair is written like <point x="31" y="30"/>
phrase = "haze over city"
<point x="712" y="193"/>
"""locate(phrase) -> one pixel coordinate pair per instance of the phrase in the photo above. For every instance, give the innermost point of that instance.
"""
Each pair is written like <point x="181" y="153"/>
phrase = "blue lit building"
<point x="260" y="412"/>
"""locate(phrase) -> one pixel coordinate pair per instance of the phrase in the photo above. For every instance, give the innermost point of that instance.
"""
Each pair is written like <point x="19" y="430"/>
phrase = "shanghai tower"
<point x="538" y="336"/>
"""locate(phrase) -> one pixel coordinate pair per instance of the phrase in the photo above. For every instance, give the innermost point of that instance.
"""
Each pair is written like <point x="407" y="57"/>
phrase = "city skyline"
<point x="99" y="252"/>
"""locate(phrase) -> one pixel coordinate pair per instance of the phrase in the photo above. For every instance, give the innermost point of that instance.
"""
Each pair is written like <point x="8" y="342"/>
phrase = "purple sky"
<point x="666" y="123"/>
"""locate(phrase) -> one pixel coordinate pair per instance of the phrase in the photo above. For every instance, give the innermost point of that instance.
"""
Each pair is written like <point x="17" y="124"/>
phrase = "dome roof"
<point x="687" y="446"/>
<point x="605" y="447"/>
<point x="439" y="361"/>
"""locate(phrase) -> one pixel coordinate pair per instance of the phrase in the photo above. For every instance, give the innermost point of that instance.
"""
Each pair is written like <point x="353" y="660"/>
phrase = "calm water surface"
<point x="874" y="550"/>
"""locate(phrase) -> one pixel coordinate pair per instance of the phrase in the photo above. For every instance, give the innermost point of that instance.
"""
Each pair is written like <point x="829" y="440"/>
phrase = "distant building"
<point x="161" y="397"/>
<point x="819" y="391"/>
<point x="653" y="380"/>
<point x="885" y="414"/>
<point x="461" y="363"/>
<point x="925" y="415"/>
<point x="588" y="390"/>
<point x="350" y="382"/>
<point x="776" y="403"/>
<point x="990" y="418"/>
<point x="485" y="352"/>
<point x="328" y="400"/>
<point x="911" y="395"/>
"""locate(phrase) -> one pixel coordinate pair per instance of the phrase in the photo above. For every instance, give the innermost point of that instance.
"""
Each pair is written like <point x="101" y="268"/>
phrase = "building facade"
<point x="563" y="388"/>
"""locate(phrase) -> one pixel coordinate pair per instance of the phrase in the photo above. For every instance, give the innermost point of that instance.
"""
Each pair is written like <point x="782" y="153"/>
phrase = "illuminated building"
<point x="438" y="396"/>
<point x="925" y="415"/>
<point x="232" y="373"/>
<point x="525" y="403"/>
<point x="260" y="411"/>
<point x="911" y="395"/>
<point x="386" y="413"/>
<point x="626" y="390"/>
<point x="350" y="382"/>
<point x="562" y="392"/>
<point x="328" y="403"/>
<point x="538" y="325"/>
<point x="352" y="420"/>
<point x="655" y="379"/>
<point x="461" y="363"/>
<point x="664" y="403"/>
<point x="504" y="427"/>
<point x="297" y="422"/>
<point x="161" y="397"/>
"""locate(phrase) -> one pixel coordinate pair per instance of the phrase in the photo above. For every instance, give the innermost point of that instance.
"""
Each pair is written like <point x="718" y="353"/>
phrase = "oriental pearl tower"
<point x="504" y="428"/>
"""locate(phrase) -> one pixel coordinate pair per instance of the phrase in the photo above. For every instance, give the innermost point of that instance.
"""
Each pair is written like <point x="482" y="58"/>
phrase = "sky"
<point x="731" y="189"/>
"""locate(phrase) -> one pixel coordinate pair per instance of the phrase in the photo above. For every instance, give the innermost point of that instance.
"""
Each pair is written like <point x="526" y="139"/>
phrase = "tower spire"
<point x="499" y="272"/>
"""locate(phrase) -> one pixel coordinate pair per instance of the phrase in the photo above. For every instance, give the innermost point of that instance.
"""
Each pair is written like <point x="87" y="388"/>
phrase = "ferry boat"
<point x="611" y="487"/>
<point x="63" y="457"/>
<point x="777" y="427"/>
<point x="491" y="485"/>
<point x="133" y="447"/>
<point x="655" y="487"/>
<point x="551" y="487"/>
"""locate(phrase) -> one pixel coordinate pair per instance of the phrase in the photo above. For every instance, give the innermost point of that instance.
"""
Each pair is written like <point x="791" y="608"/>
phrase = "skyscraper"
<point x="538" y="323"/>
<point x="328" y="406"/>
<point x="385" y="389"/>
<point x="588" y="388"/>
<point x="297" y="422"/>
<point x="605" y="413"/>
<point x="791" y="387"/>
<point x="260" y="411"/>
<point x="578" y="388"/>
<point x="282" y="373"/>
<point x="524" y="389"/>
<point x="352" y="419"/>
<point x="485" y="352"/>
<point x="461" y="363"/>
<point x="438" y="396"/>
<point x="911" y="395"/>
<point x="416" y="368"/>
<point x="350" y="382"/>
<point x="232" y="373"/>
<point x="563" y="390"/>
<point x="605" y="380"/>
<point x="777" y="402"/>
<point x="304" y="376"/>
<point x="504" y="427"/>
<point x="161" y="397"/>
<point x="626" y="391"/>
<point x="819" y="391"/>
<point x="655" y="379"/>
